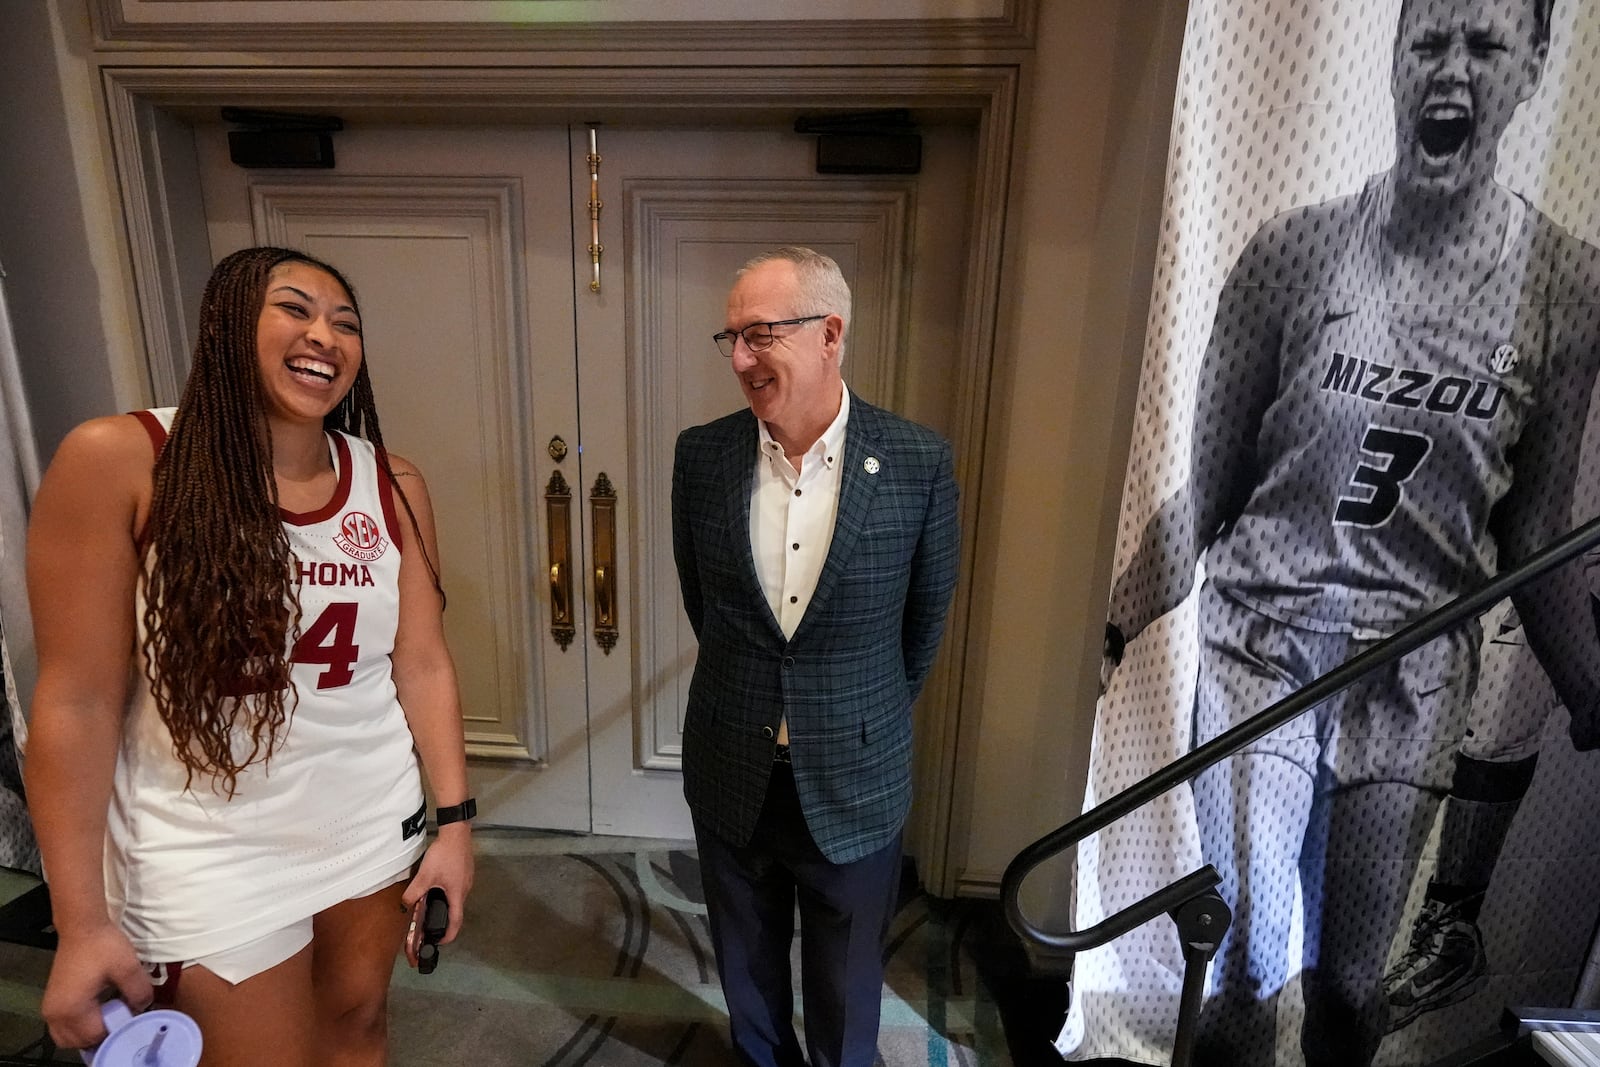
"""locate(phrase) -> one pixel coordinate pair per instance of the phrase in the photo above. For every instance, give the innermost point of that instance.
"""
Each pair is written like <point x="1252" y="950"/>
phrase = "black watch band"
<point x="461" y="812"/>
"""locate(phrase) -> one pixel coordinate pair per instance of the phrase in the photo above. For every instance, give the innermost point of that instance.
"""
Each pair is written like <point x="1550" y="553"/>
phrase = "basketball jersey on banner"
<point x="1388" y="444"/>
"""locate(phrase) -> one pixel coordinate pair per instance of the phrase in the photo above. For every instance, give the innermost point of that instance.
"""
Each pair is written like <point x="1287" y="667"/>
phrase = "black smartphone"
<point x="435" y="921"/>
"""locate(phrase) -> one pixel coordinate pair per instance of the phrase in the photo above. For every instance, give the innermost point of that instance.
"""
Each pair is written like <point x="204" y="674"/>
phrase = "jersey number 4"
<point x="331" y="641"/>
<point x="1395" y="457"/>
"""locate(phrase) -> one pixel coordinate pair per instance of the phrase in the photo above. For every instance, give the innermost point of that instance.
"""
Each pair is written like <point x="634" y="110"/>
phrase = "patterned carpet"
<point x="595" y="951"/>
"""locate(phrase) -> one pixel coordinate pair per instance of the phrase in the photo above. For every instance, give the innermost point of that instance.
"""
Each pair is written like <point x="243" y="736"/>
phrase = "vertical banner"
<point x="18" y="849"/>
<point x="19" y="477"/>
<point x="1366" y="389"/>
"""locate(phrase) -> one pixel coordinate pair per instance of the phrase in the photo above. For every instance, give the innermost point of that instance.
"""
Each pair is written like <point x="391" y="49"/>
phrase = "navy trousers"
<point x="751" y="892"/>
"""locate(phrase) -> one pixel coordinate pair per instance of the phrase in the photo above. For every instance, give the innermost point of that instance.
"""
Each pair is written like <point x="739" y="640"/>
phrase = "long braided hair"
<point x="222" y="605"/>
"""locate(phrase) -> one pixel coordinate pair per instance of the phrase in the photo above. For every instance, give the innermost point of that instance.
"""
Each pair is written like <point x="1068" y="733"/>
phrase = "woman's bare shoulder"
<point x="403" y="466"/>
<point x="112" y="455"/>
<point x="110" y="437"/>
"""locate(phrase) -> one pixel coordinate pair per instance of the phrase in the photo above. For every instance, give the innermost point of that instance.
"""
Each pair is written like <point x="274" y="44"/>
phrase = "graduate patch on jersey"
<point x="360" y="536"/>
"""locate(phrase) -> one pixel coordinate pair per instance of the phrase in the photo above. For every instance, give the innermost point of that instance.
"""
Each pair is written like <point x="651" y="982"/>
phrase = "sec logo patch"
<point x="1505" y="359"/>
<point x="360" y="536"/>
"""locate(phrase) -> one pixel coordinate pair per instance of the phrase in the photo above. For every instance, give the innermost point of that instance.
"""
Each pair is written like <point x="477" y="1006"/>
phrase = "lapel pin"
<point x="872" y="464"/>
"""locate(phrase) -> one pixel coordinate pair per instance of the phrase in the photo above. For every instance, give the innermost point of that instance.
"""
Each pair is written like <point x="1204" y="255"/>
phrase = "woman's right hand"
<point x="86" y="966"/>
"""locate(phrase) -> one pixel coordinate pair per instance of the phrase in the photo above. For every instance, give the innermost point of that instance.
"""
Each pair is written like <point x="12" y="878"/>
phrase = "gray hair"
<point x="822" y="288"/>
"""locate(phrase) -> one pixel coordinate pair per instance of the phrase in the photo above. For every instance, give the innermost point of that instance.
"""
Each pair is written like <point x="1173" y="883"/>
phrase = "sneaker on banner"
<point x="1441" y="967"/>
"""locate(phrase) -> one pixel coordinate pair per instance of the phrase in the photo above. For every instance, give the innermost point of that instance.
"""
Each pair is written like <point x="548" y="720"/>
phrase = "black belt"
<point x="780" y="754"/>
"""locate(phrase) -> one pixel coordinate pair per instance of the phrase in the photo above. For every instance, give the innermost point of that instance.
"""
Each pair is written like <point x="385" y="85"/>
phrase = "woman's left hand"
<point x="448" y="864"/>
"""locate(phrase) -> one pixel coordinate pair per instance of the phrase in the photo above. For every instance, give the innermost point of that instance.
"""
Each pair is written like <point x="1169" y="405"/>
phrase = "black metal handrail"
<point x="1219" y="748"/>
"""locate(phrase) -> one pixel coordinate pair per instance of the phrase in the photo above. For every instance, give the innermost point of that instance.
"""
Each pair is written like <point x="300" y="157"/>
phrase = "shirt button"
<point x="796" y="546"/>
<point x="766" y="731"/>
<point x="797" y="492"/>
<point x="788" y="663"/>
<point x="794" y="600"/>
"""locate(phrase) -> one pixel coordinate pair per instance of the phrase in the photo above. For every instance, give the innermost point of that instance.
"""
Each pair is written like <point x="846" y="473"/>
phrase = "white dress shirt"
<point x="792" y="513"/>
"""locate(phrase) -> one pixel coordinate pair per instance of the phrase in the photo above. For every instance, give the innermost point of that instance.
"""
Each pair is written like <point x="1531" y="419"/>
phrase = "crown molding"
<point x="480" y="26"/>
<point x="586" y="93"/>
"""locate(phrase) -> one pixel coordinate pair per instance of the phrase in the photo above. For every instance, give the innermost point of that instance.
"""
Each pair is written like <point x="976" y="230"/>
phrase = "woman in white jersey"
<point x="234" y="823"/>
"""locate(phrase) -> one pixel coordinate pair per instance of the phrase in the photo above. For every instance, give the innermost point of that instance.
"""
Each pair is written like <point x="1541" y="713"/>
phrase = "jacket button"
<point x="766" y="731"/>
<point x="788" y="663"/>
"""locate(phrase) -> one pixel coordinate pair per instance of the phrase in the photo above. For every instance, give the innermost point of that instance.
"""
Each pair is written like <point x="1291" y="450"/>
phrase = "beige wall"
<point x="65" y="282"/>
<point x="65" y="273"/>
<point x="1080" y="236"/>
<point x="1094" y="144"/>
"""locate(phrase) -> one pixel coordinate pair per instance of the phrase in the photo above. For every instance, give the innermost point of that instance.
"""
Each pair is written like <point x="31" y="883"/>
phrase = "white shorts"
<point x="236" y="964"/>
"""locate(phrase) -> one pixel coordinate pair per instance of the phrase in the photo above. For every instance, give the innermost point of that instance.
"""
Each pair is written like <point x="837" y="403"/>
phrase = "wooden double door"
<point x="543" y="409"/>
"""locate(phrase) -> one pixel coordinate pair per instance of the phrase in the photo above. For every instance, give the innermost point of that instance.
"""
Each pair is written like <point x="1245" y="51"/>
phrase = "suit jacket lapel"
<point x="856" y="491"/>
<point x="736" y="476"/>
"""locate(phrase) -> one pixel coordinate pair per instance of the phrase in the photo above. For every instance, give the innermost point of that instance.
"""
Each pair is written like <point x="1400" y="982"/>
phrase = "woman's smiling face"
<point x="308" y="342"/>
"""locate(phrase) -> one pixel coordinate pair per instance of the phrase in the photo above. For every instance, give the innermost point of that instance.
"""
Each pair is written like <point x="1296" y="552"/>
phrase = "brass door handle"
<point x="603" y="515"/>
<point x="596" y="249"/>
<point x="560" y="596"/>
<point x="558" y="521"/>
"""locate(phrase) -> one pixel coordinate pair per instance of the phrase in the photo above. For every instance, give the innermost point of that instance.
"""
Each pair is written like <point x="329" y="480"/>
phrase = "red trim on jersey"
<point x="341" y="492"/>
<point x="391" y="517"/>
<point x="164" y="978"/>
<point x="153" y="427"/>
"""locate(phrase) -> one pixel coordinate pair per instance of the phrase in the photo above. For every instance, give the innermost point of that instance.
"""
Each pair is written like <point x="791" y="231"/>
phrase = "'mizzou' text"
<point x="1403" y="387"/>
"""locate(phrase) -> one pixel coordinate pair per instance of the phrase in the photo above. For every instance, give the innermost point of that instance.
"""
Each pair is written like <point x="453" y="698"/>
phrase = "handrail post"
<point x="1202" y="924"/>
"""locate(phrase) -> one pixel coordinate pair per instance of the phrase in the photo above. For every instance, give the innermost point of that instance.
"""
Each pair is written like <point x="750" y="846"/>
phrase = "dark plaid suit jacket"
<point x="857" y="661"/>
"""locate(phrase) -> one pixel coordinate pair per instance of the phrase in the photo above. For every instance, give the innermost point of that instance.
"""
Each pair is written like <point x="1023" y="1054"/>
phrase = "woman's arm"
<point x="82" y="570"/>
<point x="425" y="679"/>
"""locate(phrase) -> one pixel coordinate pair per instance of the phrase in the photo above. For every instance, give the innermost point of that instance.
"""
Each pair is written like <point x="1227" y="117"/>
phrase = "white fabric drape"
<point x="19" y="477"/>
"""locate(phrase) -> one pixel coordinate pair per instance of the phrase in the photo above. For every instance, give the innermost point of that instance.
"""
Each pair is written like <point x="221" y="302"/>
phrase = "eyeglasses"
<point x="758" y="336"/>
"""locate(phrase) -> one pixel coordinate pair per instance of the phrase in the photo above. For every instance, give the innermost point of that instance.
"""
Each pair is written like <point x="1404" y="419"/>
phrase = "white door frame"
<point x="158" y="183"/>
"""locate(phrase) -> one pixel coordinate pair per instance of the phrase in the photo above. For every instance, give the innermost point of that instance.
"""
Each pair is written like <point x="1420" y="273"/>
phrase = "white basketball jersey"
<point x="191" y="871"/>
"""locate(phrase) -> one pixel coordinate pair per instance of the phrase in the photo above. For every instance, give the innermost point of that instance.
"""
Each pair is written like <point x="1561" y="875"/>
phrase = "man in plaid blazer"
<point x="816" y="540"/>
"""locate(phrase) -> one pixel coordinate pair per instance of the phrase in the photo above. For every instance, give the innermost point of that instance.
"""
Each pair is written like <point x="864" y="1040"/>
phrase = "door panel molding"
<point x="673" y="226"/>
<point x="481" y="214"/>
<point x="162" y="238"/>
<point x="872" y="220"/>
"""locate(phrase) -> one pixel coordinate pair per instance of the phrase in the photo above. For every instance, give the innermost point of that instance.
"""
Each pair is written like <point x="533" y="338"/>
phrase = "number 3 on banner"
<point x="1404" y="453"/>
<point x="331" y="640"/>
